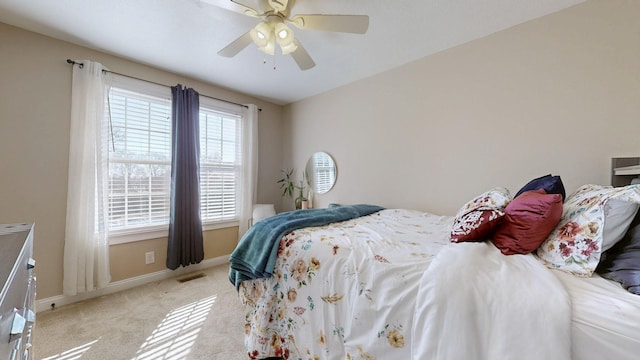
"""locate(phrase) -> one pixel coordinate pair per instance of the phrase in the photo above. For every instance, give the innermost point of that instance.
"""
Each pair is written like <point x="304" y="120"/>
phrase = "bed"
<point x="390" y="284"/>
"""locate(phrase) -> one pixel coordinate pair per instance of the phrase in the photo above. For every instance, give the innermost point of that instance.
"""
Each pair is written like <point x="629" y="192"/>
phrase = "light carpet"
<point x="198" y="319"/>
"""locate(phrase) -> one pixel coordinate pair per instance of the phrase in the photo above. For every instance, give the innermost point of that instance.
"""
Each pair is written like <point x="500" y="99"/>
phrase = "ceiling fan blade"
<point x="301" y="56"/>
<point x="356" y="24"/>
<point x="233" y="6"/>
<point x="236" y="45"/>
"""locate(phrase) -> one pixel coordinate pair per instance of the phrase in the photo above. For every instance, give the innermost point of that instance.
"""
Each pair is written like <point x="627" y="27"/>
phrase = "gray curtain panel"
<point x="185" y="226"/>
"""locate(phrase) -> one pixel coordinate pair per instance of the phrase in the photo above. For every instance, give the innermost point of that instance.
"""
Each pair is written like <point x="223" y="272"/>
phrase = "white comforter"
<point x="475" y="303"/>
<point x="391" y="286"/>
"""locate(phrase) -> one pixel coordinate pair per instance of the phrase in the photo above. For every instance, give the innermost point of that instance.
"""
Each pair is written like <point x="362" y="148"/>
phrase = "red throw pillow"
<point x="528" y="220"/>
<point x="477" y="218"/>
<point x="478" y="225"/>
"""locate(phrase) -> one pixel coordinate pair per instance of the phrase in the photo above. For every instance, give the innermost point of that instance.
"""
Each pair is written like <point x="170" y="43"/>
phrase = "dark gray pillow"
<point x="621" y="263"/>
<point x="549" y="183"/>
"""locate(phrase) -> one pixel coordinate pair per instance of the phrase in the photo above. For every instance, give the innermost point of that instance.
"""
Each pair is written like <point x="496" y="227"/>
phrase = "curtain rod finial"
<point x="69" y="61"/>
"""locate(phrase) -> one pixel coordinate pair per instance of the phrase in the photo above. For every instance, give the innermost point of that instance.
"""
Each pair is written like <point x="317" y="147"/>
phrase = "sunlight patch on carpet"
<point x="73" y="354"/>
<point x="177" y="332"/>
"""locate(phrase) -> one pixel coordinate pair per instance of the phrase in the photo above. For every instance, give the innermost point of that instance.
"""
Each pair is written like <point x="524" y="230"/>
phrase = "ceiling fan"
<point x="273" y="29"/>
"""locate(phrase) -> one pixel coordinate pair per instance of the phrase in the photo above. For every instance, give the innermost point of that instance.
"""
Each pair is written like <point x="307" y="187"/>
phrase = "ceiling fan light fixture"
<point x="261" y="34"/>
<point x="283" y="32"/>
<point x="284" y="37"/>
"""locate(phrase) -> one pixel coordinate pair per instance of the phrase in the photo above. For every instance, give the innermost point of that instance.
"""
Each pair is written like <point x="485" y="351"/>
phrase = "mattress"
<point x="605" y="318"/>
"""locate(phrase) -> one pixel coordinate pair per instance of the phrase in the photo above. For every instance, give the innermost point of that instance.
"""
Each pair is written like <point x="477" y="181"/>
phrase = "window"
<point x="140" y="158"/>
<point x="220" y="164"/>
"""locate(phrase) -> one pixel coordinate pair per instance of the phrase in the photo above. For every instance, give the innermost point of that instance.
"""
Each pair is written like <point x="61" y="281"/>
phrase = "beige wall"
<point x="130" y="256"/>
<point x="560" y="94"/>
<point x="35" y="101"/>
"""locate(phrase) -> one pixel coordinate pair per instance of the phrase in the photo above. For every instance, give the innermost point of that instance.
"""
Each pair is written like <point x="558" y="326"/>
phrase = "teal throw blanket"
<point x="255" y="255"/>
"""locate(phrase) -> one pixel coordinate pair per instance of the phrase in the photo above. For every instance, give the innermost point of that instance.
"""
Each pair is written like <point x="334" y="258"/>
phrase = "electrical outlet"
<point x="150" y="257"/>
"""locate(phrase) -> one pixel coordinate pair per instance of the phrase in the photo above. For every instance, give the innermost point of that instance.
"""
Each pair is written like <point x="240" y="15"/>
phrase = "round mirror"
<point x="320" y="172"/>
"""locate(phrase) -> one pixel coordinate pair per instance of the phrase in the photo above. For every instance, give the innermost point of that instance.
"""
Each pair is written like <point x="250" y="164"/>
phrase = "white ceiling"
<point x="184" y="36"/>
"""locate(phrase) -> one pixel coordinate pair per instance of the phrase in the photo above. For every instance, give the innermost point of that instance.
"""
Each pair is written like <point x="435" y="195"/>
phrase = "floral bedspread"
<point x="344" y="291"/>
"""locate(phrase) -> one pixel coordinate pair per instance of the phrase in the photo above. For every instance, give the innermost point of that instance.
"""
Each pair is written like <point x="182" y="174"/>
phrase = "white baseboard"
<point x="60" y="300"/>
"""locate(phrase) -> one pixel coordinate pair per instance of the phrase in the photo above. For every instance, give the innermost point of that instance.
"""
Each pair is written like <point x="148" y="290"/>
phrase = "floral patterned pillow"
<point x="476" y="220"/>
<point x="575" y="245"/>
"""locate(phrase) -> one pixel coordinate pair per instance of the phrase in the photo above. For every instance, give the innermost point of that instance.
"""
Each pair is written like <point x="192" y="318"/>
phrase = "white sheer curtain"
<point x="250" y="166"/>
<point x="86" y="247"/>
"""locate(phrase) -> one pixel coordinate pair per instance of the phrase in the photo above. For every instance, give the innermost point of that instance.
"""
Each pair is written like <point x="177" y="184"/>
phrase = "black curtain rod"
<point x="81" y="65"/>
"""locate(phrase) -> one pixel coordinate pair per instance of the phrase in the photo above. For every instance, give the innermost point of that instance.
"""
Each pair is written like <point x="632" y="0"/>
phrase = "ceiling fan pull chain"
<point x="264" y="61"/>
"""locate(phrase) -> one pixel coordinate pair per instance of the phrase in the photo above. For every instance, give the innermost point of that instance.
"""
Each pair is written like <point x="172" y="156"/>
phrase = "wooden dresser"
<point x="17" y="299"/>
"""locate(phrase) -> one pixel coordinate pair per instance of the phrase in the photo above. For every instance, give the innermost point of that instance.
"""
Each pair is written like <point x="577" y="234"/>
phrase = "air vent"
<point x="190" y="277"/>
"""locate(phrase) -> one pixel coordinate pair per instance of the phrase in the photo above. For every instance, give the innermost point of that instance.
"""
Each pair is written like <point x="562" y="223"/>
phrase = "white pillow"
<point x="618" y="215"/>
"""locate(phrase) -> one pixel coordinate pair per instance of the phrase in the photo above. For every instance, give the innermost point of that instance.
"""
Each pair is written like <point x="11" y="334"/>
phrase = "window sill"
<point x="161" y="232"/>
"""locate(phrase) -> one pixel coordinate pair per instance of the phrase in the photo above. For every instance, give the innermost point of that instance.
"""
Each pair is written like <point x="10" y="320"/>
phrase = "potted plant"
<point x="287" y="185"/>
